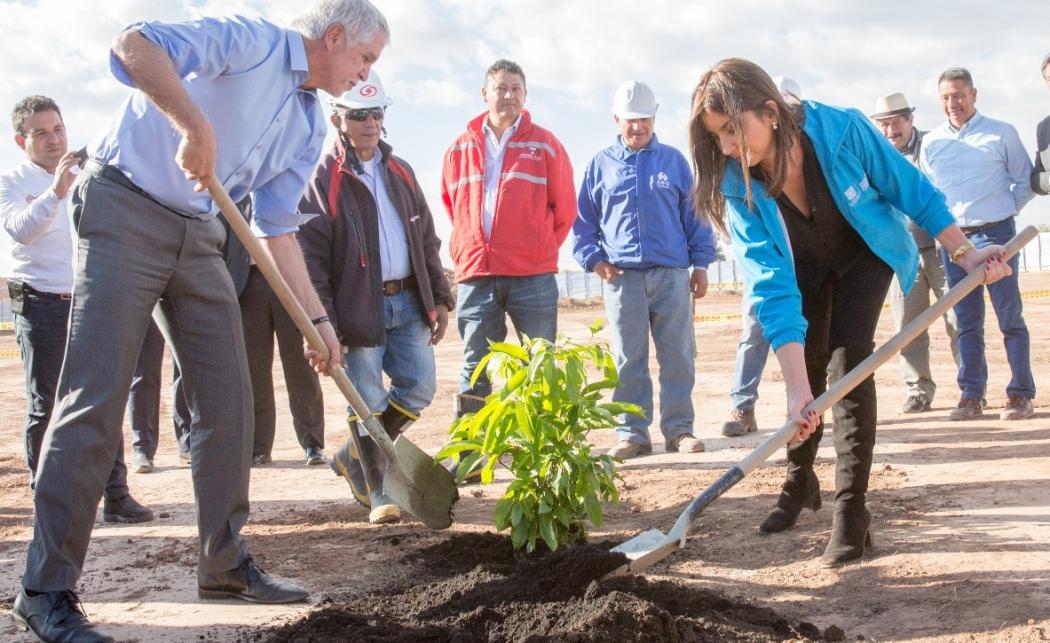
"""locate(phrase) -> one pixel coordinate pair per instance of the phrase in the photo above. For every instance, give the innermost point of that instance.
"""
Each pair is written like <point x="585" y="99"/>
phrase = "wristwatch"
<point x="957" y="254"/>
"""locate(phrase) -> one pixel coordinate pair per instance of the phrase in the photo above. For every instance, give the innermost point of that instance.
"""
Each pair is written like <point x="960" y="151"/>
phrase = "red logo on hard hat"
<point x="368" y="91"/>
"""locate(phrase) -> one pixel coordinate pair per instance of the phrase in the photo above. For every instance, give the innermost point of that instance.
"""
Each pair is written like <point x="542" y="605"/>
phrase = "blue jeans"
<point x="656" y="300"/>
<point x="482" y="305"/>
<point x="406" y="357"/>
<point x="751" y="355"/>
<point x="41" y="335"/>
<point x="1006" y="301"/>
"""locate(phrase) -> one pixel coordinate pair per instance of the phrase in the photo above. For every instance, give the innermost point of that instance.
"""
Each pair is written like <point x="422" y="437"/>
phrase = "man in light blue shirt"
<point x="984" y="171"/>
<point x="638" y="231"/>
<point x="230" y="100"/>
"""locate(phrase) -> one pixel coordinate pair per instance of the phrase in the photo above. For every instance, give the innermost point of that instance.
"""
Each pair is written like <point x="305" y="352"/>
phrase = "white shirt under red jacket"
<point x="38" y="223"/>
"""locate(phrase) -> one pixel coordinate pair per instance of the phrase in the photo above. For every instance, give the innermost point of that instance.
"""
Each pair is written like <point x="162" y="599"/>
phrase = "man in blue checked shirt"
<point x="637" y="230"/>
<point x="985" y="173"/>
<point x="231" y="100"/>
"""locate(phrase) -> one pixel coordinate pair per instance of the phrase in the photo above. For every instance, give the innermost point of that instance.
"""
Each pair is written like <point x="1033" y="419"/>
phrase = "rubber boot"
<point x="373" y="465"/>
<point x="801" y="489"/>
<point x="466" y="403"/>
<point x="855" y="420"/>
<point x="347" y="463"/>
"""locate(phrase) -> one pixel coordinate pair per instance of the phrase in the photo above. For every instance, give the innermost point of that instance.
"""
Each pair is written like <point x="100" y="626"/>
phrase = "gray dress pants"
<point x="131" y="253"/>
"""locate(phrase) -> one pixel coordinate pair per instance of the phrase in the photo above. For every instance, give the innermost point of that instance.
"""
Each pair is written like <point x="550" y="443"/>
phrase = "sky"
<point x="575" y="54"/>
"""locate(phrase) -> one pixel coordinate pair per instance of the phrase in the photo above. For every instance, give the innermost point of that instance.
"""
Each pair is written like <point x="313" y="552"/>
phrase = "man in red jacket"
<point x="508" y="188"/>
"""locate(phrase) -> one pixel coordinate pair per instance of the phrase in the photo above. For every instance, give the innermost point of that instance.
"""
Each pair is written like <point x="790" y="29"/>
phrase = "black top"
<point x="822" y="241"/>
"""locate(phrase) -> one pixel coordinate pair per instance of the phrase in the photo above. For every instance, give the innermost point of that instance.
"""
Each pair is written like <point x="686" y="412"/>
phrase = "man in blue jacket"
<point x="637" y="230"/>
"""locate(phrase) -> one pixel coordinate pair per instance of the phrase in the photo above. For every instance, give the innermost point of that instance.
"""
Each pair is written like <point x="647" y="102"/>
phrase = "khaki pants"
<point x="915" y="358"/>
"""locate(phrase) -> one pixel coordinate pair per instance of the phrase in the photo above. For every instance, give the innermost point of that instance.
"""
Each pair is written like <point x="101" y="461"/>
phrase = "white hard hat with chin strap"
<point x="365" y="94"/>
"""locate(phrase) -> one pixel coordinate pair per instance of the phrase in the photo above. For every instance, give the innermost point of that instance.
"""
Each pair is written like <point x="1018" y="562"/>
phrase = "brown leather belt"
<point x="395" y="286"/>
<point x="978" y="228"/>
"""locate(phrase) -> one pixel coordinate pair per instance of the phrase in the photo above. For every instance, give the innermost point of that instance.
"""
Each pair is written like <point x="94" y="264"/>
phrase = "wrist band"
<point x="320" y="320"/>
<point x="957" y="254"/>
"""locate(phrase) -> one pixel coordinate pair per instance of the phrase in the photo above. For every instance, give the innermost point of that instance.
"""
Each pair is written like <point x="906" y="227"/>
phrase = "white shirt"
<point x="38" y="223"/>
<point x="393" y="244"/>
<point x="494" y="151"/>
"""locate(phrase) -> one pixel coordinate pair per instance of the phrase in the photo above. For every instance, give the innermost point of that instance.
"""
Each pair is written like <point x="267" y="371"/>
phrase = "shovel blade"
<point x="641" y="544"/>
<point x="420" y="485"/>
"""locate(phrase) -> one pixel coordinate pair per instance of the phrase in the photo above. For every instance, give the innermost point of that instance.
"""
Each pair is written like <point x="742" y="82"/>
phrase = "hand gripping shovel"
<point x="652" y="546"/>
<point x="413" y="480"/>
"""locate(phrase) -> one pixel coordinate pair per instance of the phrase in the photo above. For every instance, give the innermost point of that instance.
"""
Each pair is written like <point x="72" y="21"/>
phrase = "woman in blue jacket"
<point x="812" y="197"/>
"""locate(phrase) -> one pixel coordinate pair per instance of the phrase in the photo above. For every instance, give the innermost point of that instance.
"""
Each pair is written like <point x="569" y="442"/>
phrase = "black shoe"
<point x="125" y="510"/>
<point x="802" y="491"/>
<point x="850" y="534"/>
<point x="56" y="617"/>
<point x="315" y="456"/>
<point x="249" y="583"/>
<point x="261" y="459"/>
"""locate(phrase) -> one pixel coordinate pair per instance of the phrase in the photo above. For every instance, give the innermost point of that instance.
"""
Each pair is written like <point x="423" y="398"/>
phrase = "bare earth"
<point x="961" y="512"/>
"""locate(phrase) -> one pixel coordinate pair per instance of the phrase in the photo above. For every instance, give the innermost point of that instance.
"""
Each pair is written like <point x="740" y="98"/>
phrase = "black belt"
<point x="113" y="175"/>
<point x="395" y="286"/>
<point x="979" y="228"/>
<point x="39" y="294"/>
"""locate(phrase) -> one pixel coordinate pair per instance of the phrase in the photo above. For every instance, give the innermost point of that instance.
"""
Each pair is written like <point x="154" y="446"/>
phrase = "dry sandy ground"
<point x="961" y="513"/>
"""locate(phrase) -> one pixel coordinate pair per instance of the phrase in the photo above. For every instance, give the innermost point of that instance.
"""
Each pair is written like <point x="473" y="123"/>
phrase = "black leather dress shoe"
<point x="315" y="456"/>
<point x="56" y="617"/>
<point x="249" y="583"/>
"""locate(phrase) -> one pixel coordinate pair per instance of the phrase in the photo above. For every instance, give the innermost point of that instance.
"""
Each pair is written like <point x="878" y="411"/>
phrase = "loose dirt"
<point x="961" y="518"/>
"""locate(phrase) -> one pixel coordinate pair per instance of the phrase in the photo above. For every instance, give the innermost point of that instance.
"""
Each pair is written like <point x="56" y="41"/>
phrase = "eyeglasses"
<point x="361" y="115"/>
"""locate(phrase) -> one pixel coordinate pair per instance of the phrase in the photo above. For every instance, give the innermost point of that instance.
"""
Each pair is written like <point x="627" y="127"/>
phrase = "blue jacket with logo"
<point x="872" y="184"/>
<point x="636" y="211"/>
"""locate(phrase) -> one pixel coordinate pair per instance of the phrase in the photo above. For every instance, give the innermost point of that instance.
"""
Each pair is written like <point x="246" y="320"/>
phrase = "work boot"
<point x="346" y="462"/>
<point x="467" y="403"/>
<point x="801" y="488"/>
<point x="855" y="419"/>
<point x="125" y="510"/>
<point x="1017" y="408"/>
<point x="625" y="450"/>
<point x="684" y="443"/>
<point x="916" y="403"/>
<point x="372" y="462"/>
<point x="968" y="409"/>
<point x="741" y="422"/>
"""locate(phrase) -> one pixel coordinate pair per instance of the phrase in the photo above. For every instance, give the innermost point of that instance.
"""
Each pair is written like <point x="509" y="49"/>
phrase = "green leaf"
<point x="547" y="531"/>
<point x="594" y="510"/>
<point x="501" y="514"/>
<point x="595" y="327"/>
<point x="513" y="350"/>
<point x="453" y="449"/>
<point x="517" y="512"/>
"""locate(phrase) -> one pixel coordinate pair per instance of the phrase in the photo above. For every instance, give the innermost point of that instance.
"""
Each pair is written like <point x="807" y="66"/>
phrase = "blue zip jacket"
<point x="636" y="211"/>
<point x="872" y="184"/>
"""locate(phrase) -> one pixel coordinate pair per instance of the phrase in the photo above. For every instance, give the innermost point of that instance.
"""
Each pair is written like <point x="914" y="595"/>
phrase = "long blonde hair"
<point x="730" y="88"/>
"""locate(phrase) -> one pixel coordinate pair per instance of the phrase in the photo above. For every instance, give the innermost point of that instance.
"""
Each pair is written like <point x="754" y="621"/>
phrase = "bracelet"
<point x="323" y="318"/>
<point x="957" y="254"/>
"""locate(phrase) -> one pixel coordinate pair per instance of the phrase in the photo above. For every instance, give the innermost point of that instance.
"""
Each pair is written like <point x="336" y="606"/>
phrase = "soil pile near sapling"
<point x="472" y="587"/>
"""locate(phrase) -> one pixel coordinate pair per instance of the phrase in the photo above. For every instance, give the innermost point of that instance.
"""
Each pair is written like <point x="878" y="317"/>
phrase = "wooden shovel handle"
<point x="265" y="263"/>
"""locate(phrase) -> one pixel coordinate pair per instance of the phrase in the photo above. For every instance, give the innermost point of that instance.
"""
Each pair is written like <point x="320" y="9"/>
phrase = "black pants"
<point x="144" y="401"/>
<point x="263" y="317"/>
<point x="843" y="312"/>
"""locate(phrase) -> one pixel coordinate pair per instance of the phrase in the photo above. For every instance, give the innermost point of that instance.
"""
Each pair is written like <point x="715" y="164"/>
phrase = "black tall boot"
<point x="346" y="461"/>
<point x="801" y="488"/>
<point x="855" y="420"/>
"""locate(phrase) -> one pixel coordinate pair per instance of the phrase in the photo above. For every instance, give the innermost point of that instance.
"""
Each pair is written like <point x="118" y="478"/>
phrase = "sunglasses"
<point x="361" y="115"/>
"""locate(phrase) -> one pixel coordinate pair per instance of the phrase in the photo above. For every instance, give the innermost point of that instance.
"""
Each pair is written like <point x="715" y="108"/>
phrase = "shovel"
<point x="652" y="546"/>
<point x="413" y="480"/>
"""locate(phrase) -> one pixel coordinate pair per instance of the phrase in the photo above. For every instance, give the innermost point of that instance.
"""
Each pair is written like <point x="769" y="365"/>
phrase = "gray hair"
<point x="360" y="18"/>
<point x="956" y="73"/>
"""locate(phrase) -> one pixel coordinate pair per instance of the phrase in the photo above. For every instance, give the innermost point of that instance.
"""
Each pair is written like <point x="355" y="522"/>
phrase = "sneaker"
<point x="184" y="457"/>
<point x="1017" y="408"/>
<point x="125" y="510"/>
<point x="741" y="423"/>
<point x="968" y="409"/>
<point x="916" y="403"/>
<point x="143" y="463"/>
<point x="684" y="443"/>
<point x="261" y="459"/>
<point x="626" y="449"/>
<point x="315" y="456"/>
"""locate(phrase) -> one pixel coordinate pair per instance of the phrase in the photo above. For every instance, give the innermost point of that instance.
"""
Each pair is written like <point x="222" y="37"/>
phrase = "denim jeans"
<point x="482" y="303"/>
<point x="1006" y="301"/>
<point x="656" y="300"/>
<point x="406" y="357"/>
<point x="751" y="355"/>
<point x="41" y="336"/>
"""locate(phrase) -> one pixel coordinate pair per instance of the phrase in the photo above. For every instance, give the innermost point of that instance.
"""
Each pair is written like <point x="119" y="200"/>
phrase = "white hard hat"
<point x="788" y="85"/>
<point x="365" y="94"/>
<point x="634" y="99"/>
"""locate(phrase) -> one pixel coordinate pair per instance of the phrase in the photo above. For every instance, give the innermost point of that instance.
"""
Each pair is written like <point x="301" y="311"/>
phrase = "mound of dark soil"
<point x="473" y="588"/>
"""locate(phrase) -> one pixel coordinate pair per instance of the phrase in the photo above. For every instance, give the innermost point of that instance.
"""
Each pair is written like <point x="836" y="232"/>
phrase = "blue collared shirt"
<point x="982" y="168"/>
<point x="393" y="244"/>
<point x="636" y="211"/>
<point x="245" y="75"/>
